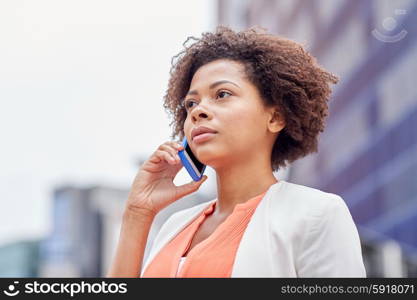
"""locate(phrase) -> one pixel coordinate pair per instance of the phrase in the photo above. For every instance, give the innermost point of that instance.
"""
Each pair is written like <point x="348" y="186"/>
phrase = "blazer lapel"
<point x="253" y="254"/>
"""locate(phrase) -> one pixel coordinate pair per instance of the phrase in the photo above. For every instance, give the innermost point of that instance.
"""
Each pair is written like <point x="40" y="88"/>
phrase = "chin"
<point x="213" y="161"/>
<point x="205" y="159"/>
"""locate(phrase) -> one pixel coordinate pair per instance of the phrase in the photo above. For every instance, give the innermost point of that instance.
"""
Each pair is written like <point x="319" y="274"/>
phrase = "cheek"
<point x="187" y="129"/>
<point x="244" y="122"/>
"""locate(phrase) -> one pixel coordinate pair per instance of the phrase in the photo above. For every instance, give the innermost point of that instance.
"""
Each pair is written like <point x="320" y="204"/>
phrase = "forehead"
<point x="226" y="69"/>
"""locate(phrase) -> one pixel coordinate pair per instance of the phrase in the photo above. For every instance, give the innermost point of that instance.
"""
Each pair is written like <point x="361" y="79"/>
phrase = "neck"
<point x="238" y="183"/>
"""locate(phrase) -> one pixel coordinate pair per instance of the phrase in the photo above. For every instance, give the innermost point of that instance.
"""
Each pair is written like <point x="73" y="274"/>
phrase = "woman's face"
<point x="234" y="109"/>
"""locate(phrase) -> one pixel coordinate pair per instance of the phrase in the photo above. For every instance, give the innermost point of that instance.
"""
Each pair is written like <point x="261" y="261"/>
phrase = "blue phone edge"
<point x="187" y="164"/>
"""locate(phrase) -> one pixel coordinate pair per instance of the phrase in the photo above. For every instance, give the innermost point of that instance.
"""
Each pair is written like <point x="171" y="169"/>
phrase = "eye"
<point x="222" y="92"/>
<point x="188" y="103"/>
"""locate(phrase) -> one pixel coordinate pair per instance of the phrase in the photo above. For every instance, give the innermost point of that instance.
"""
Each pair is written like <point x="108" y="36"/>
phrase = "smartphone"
<point x="193" y="166"/>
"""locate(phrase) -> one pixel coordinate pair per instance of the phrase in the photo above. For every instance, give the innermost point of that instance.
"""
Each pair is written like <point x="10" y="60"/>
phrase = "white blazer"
<point x="295" y="231"/>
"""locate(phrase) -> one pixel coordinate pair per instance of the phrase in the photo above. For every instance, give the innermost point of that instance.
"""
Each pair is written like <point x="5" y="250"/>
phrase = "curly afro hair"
<point x="286" y="75"/>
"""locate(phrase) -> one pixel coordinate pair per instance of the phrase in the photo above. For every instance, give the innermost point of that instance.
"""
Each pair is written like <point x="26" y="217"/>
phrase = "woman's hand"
<point x="153" y="187"/>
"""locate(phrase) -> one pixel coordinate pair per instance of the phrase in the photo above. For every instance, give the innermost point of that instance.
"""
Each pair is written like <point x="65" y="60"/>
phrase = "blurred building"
<point x="368" y="151"/>
<point x="20" y="259"/>
<point x="74" y="247"/>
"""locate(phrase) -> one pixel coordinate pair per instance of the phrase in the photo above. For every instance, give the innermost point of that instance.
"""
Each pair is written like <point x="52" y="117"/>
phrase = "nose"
<point x="200" y="112"/>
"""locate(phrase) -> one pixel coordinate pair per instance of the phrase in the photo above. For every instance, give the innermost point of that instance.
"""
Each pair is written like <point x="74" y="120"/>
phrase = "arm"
<point x="331" y="247"/>
<point x="131" y="246"/>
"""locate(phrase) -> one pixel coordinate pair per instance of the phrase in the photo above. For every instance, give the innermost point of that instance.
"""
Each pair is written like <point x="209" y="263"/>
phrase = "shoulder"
<point x="304" y="200"/>
<point x="301" y="210"/>
<point x="320" y="229"/>
<point x="302" y="191"/>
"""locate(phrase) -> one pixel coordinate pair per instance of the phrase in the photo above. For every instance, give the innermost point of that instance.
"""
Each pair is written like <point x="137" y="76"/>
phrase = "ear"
<point x="276" y="121"/>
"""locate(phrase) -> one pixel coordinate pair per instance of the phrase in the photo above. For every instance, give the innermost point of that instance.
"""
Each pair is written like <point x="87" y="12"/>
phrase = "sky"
<point x="81" y="94"/>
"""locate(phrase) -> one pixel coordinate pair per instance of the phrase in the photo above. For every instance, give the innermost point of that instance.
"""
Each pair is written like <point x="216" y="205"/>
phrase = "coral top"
<point x="212" y="257"/>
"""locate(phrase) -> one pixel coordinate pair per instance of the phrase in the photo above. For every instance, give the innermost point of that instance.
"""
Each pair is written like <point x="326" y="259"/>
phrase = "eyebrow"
<point x="212" y="86"/>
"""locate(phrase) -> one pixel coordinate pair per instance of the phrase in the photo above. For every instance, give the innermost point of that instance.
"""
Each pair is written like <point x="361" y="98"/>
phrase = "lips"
<point x="201" y="130"/>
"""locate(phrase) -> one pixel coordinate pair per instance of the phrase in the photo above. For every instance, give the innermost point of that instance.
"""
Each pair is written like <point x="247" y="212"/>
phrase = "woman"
<point x="264" y="98"/>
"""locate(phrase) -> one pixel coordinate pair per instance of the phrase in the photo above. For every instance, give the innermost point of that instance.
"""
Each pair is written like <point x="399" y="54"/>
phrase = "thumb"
<point x="189" y="188"/>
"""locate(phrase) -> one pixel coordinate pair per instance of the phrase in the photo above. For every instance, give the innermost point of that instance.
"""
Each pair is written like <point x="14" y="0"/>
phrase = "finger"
<point x="171" y="151"/>
<point x="176" y="145"/>
<point x="164" y="155"/>
<point x="154" y="159"/>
